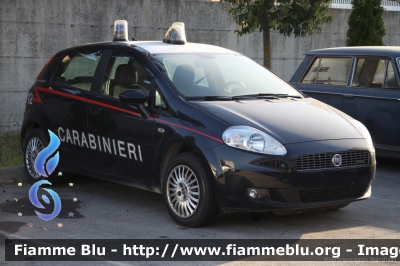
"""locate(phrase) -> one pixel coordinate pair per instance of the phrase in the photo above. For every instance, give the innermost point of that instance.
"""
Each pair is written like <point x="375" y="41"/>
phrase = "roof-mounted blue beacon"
<point x="120" y="31"/>
<point x="176" y="34"/>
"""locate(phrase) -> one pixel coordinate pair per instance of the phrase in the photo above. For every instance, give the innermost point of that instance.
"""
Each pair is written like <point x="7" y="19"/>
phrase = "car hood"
<point x="288" y="120"/>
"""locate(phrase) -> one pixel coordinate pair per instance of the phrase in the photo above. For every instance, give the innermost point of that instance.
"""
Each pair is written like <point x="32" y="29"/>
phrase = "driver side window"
<point x="125" y="73"/>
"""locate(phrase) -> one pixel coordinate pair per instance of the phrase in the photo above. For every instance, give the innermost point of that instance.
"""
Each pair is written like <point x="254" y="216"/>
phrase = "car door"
<point x="124" y="147"/>
<point x="373" y="99"/>
<point x="326" y="79"/>
<point x="67" y="97"/>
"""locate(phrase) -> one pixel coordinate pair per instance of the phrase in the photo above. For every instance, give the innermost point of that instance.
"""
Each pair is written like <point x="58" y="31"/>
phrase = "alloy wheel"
<point x="183" y="191"/>
<point x="34" y="146"/>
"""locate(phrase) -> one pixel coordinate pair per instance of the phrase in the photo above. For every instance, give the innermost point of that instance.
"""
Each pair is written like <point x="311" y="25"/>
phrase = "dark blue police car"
<point x="205" y="126"/>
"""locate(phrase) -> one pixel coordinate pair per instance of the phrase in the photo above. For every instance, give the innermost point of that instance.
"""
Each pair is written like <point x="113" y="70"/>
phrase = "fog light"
<point x="252" y="193"/>
<point x="258" y="193"/>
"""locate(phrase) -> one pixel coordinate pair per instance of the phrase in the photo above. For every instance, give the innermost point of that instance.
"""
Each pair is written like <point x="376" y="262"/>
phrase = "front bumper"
<point x="235" y="171"/>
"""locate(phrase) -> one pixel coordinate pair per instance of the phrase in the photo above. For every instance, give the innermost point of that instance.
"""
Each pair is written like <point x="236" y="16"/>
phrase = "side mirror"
<point x="133" y="97"/>
<point x="136" y="98"/>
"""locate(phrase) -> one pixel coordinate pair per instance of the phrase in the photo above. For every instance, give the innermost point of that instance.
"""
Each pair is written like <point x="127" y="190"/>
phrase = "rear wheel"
<point x="188" y="192"/>
<point x="35" y="142"/>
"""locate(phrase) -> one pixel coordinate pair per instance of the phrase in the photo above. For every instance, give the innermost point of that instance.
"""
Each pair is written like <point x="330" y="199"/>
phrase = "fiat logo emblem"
<point x="337" y="160"/>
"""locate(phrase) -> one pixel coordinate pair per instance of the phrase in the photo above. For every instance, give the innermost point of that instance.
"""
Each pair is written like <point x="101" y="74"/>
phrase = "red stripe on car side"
<point x="85" y="100"/>
<point x="38" y="99"/>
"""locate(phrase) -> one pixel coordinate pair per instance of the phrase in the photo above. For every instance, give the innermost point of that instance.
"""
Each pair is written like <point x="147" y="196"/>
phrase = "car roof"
<point x="159" y="47"/>
<point x="393" y="51"/>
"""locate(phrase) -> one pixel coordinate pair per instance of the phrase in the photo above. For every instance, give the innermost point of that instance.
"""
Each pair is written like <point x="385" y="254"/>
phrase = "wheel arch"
<point x="172" y="151"/>
<point x="28" y="127"/>
<point x="34" y="119"/>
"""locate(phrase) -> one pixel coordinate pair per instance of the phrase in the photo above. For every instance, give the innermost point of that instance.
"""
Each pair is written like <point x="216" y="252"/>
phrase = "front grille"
<point x="324" y="160"/>
<point x="326" y="194"/>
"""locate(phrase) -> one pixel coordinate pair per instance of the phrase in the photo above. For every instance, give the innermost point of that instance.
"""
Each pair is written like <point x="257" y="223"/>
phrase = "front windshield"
<point x="199" y="75"/>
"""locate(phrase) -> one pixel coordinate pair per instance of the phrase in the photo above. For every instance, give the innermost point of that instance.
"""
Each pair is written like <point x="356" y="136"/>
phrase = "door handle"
<point x="348" y="95"/>
<point x="94" y="109"/>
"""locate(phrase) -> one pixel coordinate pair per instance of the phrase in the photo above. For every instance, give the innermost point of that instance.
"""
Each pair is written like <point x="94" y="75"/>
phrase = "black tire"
<point x="180" y="194"/>
<point x="35" y="141"/>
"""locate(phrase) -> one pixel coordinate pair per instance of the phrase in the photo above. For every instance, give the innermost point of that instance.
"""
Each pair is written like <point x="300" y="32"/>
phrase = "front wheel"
<point x="188" y="191"/>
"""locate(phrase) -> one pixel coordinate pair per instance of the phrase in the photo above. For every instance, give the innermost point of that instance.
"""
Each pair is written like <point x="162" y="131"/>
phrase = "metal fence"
<point x="346" y="4"/>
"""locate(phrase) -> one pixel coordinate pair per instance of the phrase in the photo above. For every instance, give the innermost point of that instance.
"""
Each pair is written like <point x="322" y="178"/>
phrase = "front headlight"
<point x="251" y="139"/>
<point x="364" y="131"/>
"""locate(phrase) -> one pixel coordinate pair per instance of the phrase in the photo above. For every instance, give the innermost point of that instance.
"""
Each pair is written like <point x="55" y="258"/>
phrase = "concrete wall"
<point x="32" y="31"/>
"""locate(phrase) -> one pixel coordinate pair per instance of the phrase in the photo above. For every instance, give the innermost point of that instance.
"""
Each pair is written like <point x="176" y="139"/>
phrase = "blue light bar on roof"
<point x="176" y="34"/>
<point x="120" y="31"/>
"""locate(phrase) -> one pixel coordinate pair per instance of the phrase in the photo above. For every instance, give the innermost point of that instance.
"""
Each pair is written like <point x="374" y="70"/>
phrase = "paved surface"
<point x="107" y="210"/>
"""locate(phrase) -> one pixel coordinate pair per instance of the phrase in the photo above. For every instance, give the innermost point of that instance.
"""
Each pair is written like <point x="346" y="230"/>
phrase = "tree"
<point x="298" y="17"/>
<point x="366" y="25"/>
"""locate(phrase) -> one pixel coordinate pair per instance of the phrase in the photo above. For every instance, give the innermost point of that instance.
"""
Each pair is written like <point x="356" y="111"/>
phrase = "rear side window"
<point x="375" y="73"/>
<point x="328" y="71"/>
<point x="77" y="69"/>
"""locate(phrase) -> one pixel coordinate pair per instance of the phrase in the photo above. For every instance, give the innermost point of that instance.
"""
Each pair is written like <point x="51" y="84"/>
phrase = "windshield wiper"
<point x="265" y="96"/>
<point x="240" y="97"/>
<point x="211" y="98"/>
